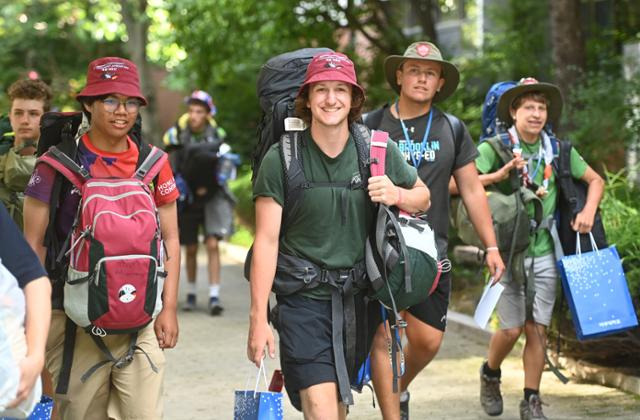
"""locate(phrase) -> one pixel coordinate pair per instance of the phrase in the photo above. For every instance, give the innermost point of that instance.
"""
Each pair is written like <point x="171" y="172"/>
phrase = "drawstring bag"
<point x="597" y="291"/>
<point x="251" y="404"/>
<point x="42" y="410"/>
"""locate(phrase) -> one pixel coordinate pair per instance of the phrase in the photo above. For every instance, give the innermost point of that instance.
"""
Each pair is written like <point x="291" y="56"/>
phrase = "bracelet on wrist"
<point x="492" y="248"/>
<point x="399" y="196"/>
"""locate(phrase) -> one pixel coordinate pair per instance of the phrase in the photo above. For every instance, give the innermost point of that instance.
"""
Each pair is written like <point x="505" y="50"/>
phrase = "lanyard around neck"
<point x="540" y="158"/>
<point x="410" y="142"/>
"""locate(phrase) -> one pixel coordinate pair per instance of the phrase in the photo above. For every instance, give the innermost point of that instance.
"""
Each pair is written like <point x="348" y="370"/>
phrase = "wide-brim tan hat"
<point x="429" y="52"/>
<point x="526" y="85"/>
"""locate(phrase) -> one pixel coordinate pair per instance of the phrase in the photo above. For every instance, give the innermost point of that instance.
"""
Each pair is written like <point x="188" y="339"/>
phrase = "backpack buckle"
<point x="124" y="361"/>
<point x="306" y="277"/>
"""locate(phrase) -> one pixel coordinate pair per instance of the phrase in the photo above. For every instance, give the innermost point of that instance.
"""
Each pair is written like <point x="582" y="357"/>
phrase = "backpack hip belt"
<point x="294" y="274"/>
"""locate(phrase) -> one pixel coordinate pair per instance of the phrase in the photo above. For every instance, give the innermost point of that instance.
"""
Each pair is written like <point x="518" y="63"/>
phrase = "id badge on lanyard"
<point x="410" y="143"/>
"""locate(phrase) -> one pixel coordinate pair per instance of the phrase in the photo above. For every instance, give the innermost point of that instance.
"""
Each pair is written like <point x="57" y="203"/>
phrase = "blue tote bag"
<point x="251" y="404"/>
<point x="597" y="292"/>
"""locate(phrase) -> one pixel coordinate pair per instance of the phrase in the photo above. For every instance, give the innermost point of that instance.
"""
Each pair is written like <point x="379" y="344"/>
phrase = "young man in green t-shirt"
<point x="29" y="100"/>
<point x="526" y="108"/>
<point x="327" y="232"/>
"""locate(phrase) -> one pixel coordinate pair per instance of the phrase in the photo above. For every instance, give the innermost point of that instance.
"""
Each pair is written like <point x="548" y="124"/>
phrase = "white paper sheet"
<point x="487" y="304"/>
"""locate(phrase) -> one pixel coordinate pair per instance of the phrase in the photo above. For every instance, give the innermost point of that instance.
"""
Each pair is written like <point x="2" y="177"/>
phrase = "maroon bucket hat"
<point x="331" y="66"/>
<point x="108" y="75"/>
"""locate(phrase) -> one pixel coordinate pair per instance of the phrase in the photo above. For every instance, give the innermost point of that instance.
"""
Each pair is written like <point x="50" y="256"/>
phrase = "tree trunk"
<point x="424" y="14"/>
<point x="136" y="21"/>
<point x="568" y="46"/>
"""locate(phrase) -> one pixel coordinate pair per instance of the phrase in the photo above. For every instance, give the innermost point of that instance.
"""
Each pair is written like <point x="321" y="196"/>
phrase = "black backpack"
<point x="279" y="80"/>
<point x="571" y="200"/>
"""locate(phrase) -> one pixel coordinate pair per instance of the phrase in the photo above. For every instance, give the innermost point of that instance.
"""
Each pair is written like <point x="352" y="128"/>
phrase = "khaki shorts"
<point x="512" y="307"/>
<point x="133" y="392"/>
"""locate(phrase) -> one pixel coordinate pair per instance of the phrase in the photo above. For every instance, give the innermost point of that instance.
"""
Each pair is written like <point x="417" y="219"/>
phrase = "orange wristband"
<point x="399" y="196"/>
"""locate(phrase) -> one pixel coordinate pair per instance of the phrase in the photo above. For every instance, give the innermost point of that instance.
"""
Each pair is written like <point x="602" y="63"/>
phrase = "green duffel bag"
<point x="401" y="259"/>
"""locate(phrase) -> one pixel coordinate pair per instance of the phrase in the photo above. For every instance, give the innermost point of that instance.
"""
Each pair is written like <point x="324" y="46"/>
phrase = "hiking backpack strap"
<point x="151" y="165"/>
<point x="62" y="163"/>
<point x="458" y="131"/>
<point x="120" y="362"/>
<point x="362" y="138"/>
<point x="67" y="356"/>
<point x="563" y="172"/>
<point x="503" y="150"/>
<point x="294" y="179"/>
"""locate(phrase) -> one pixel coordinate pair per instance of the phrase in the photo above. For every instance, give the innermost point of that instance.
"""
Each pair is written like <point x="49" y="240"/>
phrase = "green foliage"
<point x="242" y="189"/>
<point x="620" y="211"/>
<point x="57" y="39"/>
<point x="228" y="41"/>
<point x="598" y="111"/>
<point x="519" y="44"/>
<point x="242" y="236"/>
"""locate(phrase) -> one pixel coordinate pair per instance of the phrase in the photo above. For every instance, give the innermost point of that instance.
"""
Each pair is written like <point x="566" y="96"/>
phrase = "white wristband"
<point x="492" y="248"/>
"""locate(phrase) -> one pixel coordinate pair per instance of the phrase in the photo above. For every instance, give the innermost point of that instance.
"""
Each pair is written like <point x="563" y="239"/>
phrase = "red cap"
<point x="108" y="75"/>
<point x="331" y="66"/>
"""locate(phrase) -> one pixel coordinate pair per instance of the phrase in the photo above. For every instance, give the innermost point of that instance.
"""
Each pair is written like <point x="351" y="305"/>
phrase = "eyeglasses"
<point x="111" y="104"/>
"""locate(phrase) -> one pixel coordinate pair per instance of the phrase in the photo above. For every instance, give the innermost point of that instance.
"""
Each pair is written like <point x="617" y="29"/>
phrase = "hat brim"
<point x="450" y="74"/>
<point x="101" y="89"/>
<point x="553" y="94"/>
<point x="330" y="75"/>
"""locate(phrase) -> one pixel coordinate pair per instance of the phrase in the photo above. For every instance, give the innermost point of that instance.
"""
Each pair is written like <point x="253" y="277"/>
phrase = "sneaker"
<point x="404" y="405"/>
<point x="532" y="409"/>
<point x="490" y="395"/>
<point x="190" y="304"/>
<point x="214" y="306"/>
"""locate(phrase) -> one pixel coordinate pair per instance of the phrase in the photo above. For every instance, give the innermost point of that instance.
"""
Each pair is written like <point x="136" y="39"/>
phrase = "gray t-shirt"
<point x="435" y="160"/>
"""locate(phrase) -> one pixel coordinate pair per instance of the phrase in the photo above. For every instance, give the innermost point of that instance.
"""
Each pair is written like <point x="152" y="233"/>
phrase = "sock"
<point x="492" y="373"/>
<point x="214" y="290"/>
<point x="528" y="392"/>
<point x="191" y="287"/>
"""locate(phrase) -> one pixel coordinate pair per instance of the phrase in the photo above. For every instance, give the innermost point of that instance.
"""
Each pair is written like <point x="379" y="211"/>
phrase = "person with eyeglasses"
<point x="110" y="102"/>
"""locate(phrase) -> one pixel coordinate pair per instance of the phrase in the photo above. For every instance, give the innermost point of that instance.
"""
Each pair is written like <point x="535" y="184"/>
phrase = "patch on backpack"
<point x="127" y="293"/>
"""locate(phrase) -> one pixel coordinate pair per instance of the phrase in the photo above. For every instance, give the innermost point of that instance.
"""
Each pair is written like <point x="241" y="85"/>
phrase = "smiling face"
<point x="25" y="117"/>
<point x="419" y="80"/>
<point x="330" y="102"/>
<point x="113" y="125"/>
<point x="529" y="117"/>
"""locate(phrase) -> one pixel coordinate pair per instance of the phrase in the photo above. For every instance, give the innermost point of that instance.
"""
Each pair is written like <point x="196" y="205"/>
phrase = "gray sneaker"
<point x="532" y="409"/>
<point x="190" y="303"/>
<point x="490" y="396"/>
<point x="404" y="405"/>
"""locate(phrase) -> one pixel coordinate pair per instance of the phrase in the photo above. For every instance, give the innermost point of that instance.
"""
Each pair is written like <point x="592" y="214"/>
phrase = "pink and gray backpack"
<point x="116" y="255"/>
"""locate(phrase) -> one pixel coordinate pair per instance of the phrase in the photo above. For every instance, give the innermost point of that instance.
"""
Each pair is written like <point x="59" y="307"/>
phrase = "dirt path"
<point x="210" y="363"/>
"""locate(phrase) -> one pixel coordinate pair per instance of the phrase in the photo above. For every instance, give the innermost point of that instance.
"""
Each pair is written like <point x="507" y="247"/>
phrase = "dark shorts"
<point x="306" y="349"/>
<point x="433" y="311"/>
<point x="215" y="216"/>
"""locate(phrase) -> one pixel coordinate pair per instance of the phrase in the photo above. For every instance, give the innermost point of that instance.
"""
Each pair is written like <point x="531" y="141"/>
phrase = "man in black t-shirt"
<point x="427" y="139"/>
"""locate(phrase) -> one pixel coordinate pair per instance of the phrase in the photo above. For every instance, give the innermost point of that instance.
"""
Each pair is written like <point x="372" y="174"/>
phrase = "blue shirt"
<point x="16" y="254"/>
